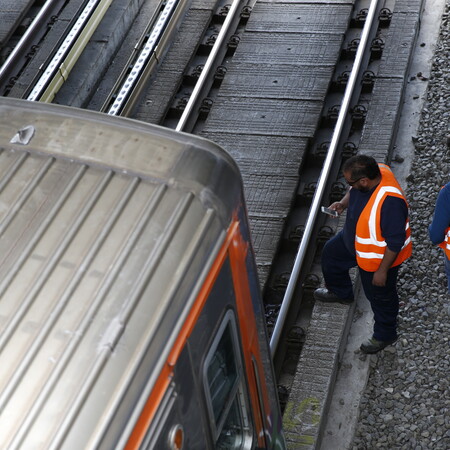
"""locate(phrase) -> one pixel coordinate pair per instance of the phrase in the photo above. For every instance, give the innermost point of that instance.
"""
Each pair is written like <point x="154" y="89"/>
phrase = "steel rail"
<point x="323" y="180"/>
<point x="147" y="58"/>
<point x="25" y="41"/>
<point x="67" y="55"/>
<point x="193" y="99"/>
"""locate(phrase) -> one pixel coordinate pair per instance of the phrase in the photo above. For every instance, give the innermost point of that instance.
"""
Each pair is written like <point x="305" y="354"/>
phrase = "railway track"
<point x="23" y="38"/>
<point x="295" y="271"/>
<point x="20" y="41"/>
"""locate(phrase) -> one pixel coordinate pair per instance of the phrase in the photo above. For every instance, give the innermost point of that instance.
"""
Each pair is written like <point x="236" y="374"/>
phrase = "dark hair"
<point x="362" y="166"/>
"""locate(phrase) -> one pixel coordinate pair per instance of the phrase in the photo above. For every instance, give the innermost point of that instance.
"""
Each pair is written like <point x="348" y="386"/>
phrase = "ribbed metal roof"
<point x="104" y="226"/>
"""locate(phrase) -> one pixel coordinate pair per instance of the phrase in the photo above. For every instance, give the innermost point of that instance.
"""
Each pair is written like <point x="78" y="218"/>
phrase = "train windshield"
<point x="226" y="389"/>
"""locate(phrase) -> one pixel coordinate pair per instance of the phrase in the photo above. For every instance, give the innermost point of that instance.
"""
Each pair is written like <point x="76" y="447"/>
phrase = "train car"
<point x="130" y="310"/>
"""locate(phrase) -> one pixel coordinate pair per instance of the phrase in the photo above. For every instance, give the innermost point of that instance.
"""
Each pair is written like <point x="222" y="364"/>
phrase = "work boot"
<point x="374" y="345"/>
<point x="326" y="296"/>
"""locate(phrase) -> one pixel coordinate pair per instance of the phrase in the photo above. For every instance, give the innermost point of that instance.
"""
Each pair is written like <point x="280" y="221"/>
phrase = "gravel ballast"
<point x="406" y="403"/>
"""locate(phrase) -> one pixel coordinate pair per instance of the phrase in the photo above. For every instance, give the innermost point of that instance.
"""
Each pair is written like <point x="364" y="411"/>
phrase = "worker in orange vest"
<point x="376" y="237"/>
<point x="439" y="229"/>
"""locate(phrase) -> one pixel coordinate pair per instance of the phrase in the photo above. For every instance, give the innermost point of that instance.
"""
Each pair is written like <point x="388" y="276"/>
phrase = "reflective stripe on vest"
<point x="446" y="244"/>
<point x="370" y="245"/>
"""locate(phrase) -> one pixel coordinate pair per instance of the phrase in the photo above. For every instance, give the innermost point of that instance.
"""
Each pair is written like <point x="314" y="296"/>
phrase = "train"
<point x="130" y="309"/>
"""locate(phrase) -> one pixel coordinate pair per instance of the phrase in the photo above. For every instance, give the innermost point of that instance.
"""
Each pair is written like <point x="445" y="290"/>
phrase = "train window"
<point x="226" y="389"/>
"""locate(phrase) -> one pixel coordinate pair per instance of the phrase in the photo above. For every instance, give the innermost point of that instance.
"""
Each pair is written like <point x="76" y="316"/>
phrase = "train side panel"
<point x="229" y="364"/>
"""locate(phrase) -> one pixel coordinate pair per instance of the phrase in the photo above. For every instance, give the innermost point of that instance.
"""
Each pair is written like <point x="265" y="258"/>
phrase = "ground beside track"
<point x="353" y="378"/>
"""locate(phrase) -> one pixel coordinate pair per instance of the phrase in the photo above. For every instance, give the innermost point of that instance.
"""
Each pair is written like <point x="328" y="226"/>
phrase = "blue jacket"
<point x="441" y="218"/>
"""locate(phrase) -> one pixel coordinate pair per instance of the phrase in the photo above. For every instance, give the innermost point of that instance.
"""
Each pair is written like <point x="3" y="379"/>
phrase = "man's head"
<point x="361" y="172"/>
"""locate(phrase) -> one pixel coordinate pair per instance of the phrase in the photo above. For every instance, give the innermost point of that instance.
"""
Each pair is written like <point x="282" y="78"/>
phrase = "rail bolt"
<point x="197" y="71"/>
<point x="33" y="50"/>
<point x="295" y="339"/>
<point x="333" y="113"/>
<point x="349" y="149"/>
<point x="376" y="48"/>
<point x="205" y="107"/>
<point x="338" y="190"/>
<point x="220" y="73"/>
<point x="359" y="113"/>
<point x="211" y="40"/>
<point x="385" y="17"/>
<point x="296" y="334"/>
<point x="11" y="82"/>
<point x="233" y="42"/>
<point x="281" y="281"/>
<point x="361" y="16"/>
<point x="342" y="78"/>
<point x="309" y="190"/>
<point x="325" y="233"/>
<point x="312" y="282"/>
<point x="224" y="10"/>
<point x="352" y="47"/>
<point x="245" y="12"/>
<point x="296" y="234"/>
<point x="182" y="102"/>
<point x="322" y="149"/>
<point x="271" y="313"/>
<point x="368" y="80"/>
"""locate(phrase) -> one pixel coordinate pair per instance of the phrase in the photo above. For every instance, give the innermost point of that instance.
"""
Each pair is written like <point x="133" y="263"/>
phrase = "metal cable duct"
<point x="143" y="58"/>
<point x="67" y="55"/>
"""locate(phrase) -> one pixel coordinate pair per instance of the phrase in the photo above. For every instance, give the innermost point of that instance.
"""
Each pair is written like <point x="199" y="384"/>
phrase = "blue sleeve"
<point x="441" y="218"/>
<point x="394" y="214"/>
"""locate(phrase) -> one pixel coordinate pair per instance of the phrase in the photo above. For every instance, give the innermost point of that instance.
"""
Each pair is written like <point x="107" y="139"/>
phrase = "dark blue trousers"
<point x="336" y="263"/>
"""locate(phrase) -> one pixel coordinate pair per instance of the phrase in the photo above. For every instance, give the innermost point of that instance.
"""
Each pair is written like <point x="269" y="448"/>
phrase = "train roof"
<point x="107" y="226"/>
<point x="145" y="150"/>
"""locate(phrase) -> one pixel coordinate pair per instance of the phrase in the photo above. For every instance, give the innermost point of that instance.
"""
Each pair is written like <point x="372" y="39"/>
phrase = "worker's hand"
<point x="379" y="278"/>
<point x="337" y="206"/>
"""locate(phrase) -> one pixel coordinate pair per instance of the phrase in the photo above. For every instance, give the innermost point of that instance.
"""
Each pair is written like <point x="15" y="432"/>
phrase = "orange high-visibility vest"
<point x="446" y="243"/>
<point x="369" y="241"/>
